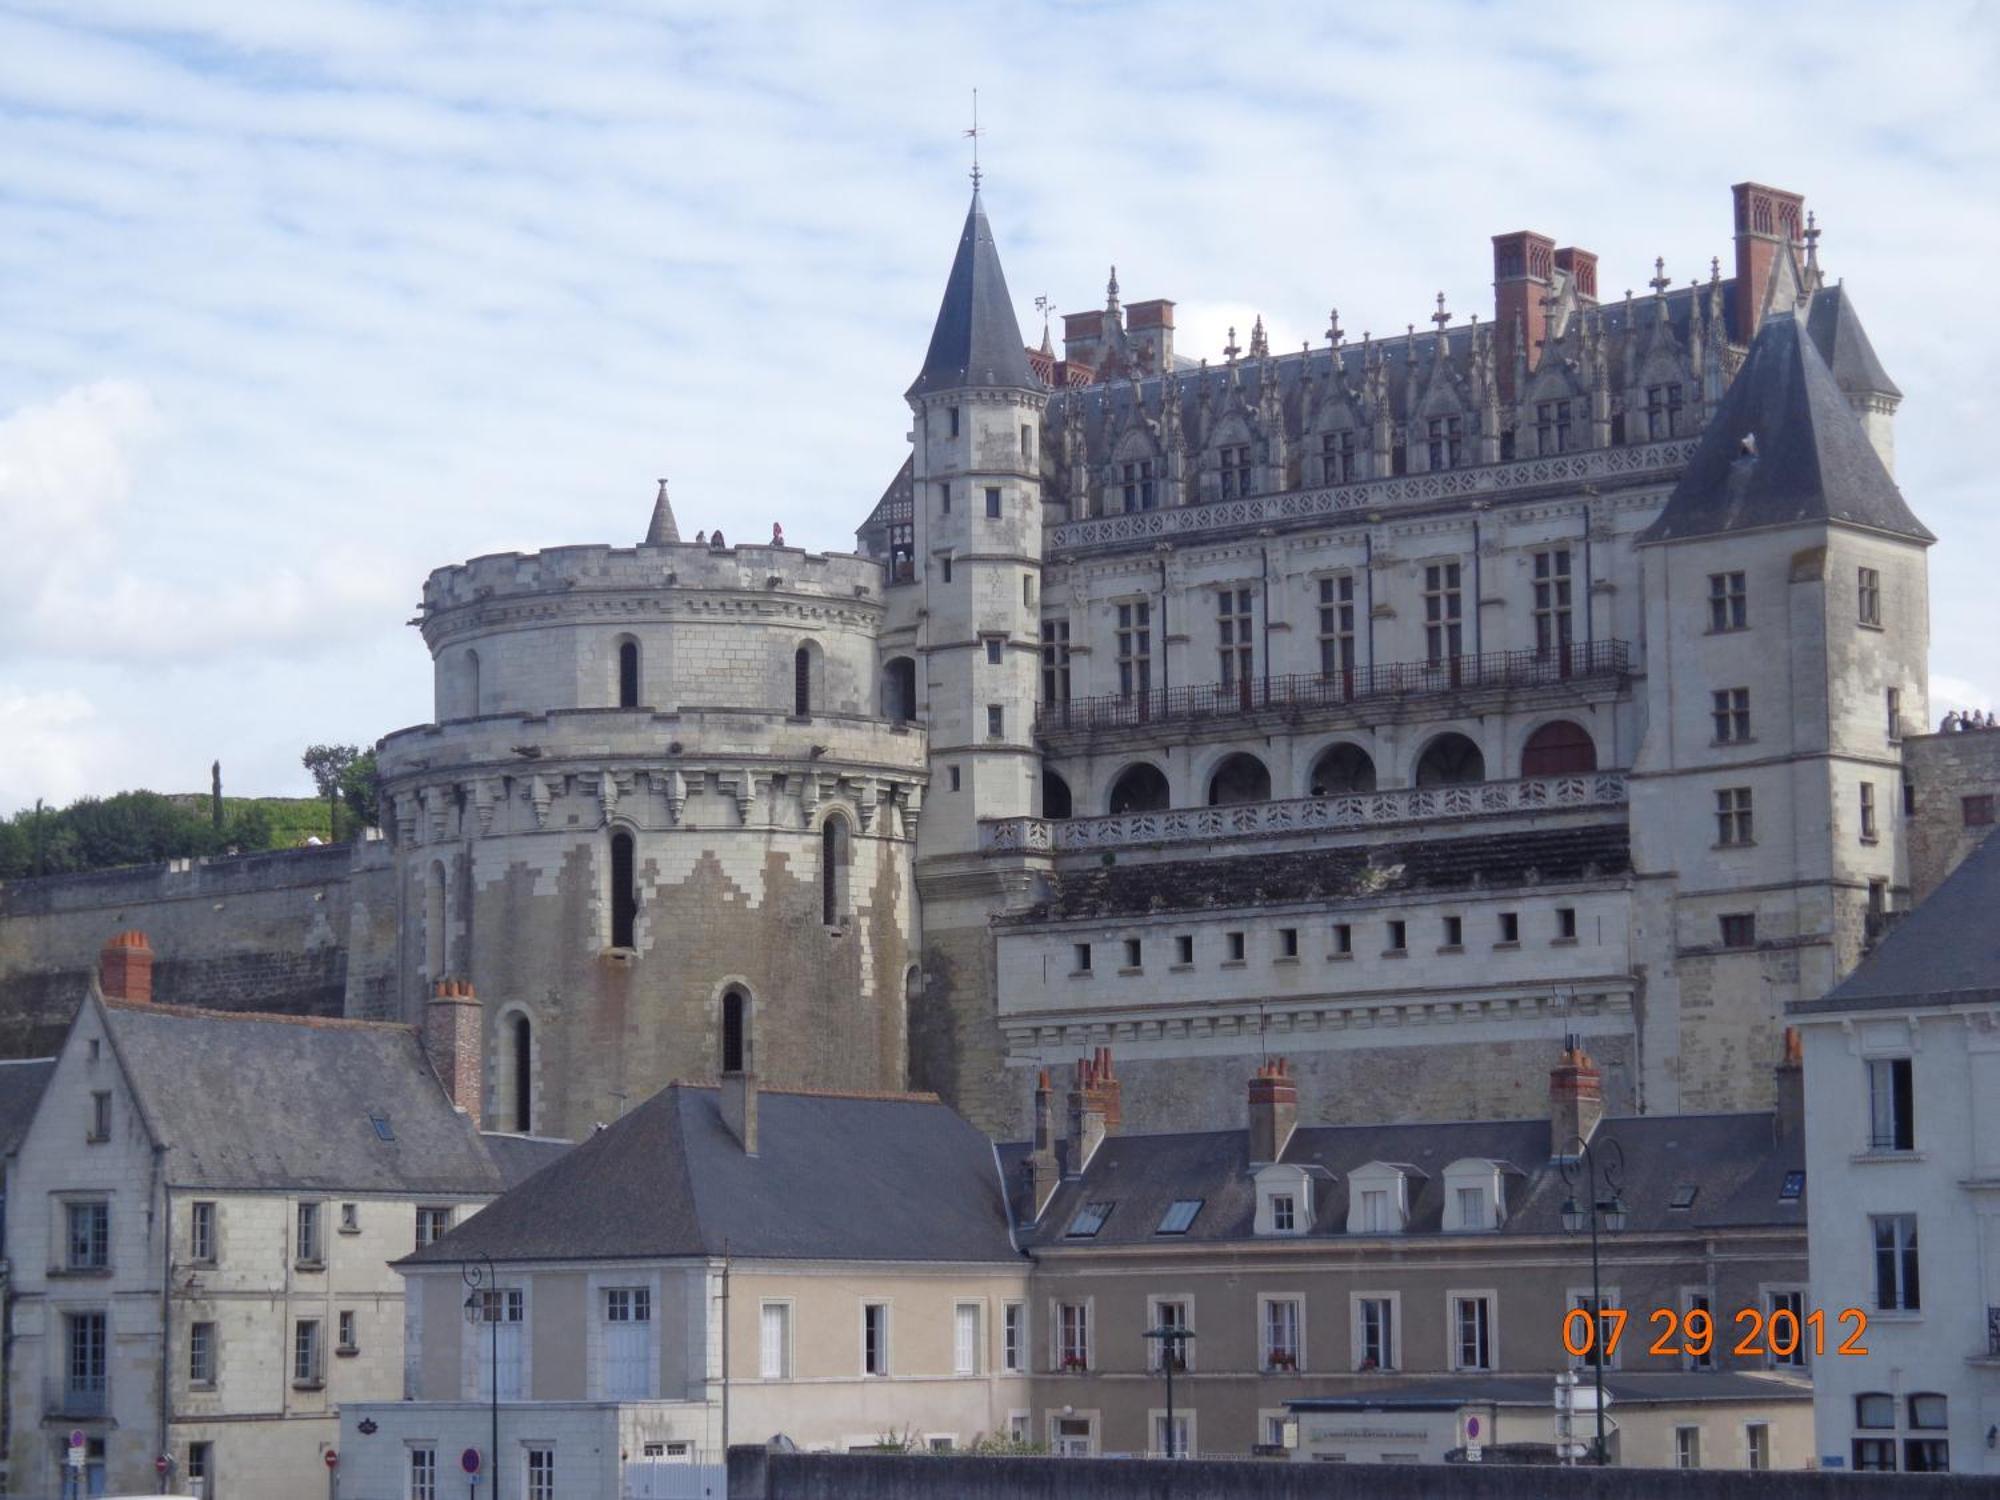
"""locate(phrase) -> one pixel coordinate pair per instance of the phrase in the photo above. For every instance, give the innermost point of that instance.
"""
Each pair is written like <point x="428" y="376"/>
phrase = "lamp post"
<point x="1172" y="1336"/>
<point x="1602" y="1183"/>
<point x="482" y="1299"/>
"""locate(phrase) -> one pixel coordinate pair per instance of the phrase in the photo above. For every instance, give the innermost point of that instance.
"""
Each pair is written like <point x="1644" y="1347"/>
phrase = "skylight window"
<point x="1180" y="1216"/>
<point x="1795" y="1184"/>
<point x="1684" y="1195"/>
<point x="1089" y="1219"/>
<point x="381" y="1124"/>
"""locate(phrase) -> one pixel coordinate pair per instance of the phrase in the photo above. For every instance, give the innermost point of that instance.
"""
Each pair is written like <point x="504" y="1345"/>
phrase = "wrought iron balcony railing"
<point x="1303" y="691"/>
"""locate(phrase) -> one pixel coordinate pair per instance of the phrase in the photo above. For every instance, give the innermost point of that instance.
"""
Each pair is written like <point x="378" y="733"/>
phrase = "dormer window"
<point x="1284" y="1200"/>
<point x="1378" y="1198"/>
<point x="1474" y="1196"/>
<point x="1284" y="1213"/>
<point x="1236" y="471"/>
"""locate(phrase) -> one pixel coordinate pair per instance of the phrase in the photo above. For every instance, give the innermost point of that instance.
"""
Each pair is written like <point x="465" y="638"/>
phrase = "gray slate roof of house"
<point x="1734" y="1161"/>
<point x="1809" y="457"/>
<point x="1835" y="329"/>
<point x="977" y="340"/>
<point x="250" y="1102"/>
<point x="1445" y="1392"/>
<point x="1945" y="952"/>
<point x="519" y="1157"/>
<point x="21" y="1085"/>
<point x="836" y="1177"/>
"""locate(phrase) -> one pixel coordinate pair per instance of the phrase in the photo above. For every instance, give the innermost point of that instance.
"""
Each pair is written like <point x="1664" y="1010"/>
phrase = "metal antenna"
<point x="973" y="135"/>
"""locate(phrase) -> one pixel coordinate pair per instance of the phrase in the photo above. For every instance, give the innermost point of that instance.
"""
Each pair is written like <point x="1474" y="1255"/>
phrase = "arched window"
<point x="735" y="1032"/>
<point x="802" y="681"/>
<point x="899" y="689"/>
<point x="469" y="685"/>
<point x="1450" y="760"/>
<point x="1140" y="788"/>
<point x="1055" y="796"/>
<point x="1561" y="748"/>
<point x="628" y="673"/>
<point x="1240" y="778"/>
<point x="835" y="847"/>
<point x="624" y="891"/>
<point x="523" y="1074"/>
<point x="435" y="915"/>
<point x="1342" y="768"/>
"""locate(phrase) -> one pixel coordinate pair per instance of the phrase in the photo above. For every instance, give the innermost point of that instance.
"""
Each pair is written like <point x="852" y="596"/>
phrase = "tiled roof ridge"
<point x="200" y="1013"/>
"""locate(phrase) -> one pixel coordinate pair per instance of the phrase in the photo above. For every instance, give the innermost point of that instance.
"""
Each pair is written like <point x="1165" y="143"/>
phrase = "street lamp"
<point x="1172" y="1337"/>
<point x="1602" y="1183"/>
<point x="482" y="1299"/>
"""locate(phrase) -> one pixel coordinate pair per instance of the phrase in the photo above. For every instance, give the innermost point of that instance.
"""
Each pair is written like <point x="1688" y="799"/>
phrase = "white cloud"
<point x="53" y="746"/>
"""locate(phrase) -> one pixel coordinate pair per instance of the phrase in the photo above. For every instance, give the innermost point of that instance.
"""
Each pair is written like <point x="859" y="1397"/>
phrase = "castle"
<point x="1407" y="704"/>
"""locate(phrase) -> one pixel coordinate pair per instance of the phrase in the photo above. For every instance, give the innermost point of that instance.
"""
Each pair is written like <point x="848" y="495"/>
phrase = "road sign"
<point x="1472" y="1429"/>
<point x="76" y="1437"/>
<point x="469" y="1460"/>
<point x="332" y="1458"/>
<point x="162" y="1464"/>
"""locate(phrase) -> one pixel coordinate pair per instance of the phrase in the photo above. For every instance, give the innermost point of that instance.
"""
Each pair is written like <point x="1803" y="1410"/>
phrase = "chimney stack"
<point x="125" y="969"/>
<point x="1274" y="1110"/>
<point x="453" y="1020"/>
<point x="1524" y="266"/>
<point x="1043" y="1173"/>
<point x="1790" y="1119"/>
<point x="1581" y="265"/>
<point x="1767" y="221"/>
<point x="1095" y="1108"/>
<point x="1576" y="1099"/>
<point x="739" y="1108"/>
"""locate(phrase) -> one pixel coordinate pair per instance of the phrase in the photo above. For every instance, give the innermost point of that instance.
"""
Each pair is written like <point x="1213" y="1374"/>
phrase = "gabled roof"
<point x="1835" y="329"/>
<point x="977" y="341"/>
<point x="1783" y="447"/>
<point x="836" y="1177"/>
<point x="21" y="1085"/>
<point x="1945" y="952"/>
<point x="284" y="1102"/>
<point x="1735" y="1162"/>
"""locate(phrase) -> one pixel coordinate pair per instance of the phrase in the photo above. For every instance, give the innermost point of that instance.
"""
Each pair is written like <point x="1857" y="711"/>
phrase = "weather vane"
<point x="973" y="135"/>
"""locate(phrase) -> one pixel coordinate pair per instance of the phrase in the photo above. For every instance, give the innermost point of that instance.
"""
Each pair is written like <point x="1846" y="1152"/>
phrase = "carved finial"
<point x="1333" y="328"/>
<point x="1260" y="343"/>
<point x="1229" y="350"/>
<point x="1812" y="241"/>
<point x="1660" y="281"/>
<point x="973" y="135"/>
<point x="1111" y="292"/>
<point x="1441" y="317"/>
<point x="1714" y="269"/>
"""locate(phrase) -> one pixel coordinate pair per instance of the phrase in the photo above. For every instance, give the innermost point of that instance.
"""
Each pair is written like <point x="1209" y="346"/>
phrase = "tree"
<point x="361" y="790"/>
<point x="328" y="764"/>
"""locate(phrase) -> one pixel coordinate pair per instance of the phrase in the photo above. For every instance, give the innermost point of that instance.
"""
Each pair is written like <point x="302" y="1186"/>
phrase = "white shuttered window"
<point x="965" y="1343"/>
<point x="774" y="1356"/>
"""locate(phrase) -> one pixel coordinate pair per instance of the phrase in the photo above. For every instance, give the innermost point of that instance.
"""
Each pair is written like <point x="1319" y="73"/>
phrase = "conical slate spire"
<point x="977" y="341"/>
<point x="664" y="530"/>
<point x="1843" y="343"/>
<point x="1783" y="447"/>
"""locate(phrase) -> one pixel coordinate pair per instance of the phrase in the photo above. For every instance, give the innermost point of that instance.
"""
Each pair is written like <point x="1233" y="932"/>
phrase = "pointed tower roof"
<point x="1836" y="331"/>
<point x="1783" y="447"/>
<point x="663" y="530"/>
<point x="977" y="341"/>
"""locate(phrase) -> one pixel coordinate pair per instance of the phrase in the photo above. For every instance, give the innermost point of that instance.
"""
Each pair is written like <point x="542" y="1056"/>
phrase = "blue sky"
<point x="300" y="300"/>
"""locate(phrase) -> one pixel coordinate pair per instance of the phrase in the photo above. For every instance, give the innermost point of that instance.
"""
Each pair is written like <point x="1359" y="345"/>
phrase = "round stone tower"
<point x="661" y="823"/>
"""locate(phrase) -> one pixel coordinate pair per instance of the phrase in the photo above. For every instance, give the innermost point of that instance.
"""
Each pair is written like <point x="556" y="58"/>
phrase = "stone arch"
<point x="1561" y="747"/>
<point x="1239" y="777"/>
<point x="735" y="1051"/>
<point x="1450" y="759"/>
<point x="808" y="678"/>
<point x="468" y="684"/>
<point x="1140" y="787"/>
<point x="913" y="985"/>
<point x="516" y="1050"/>
<point x="1056" y="800"/>
<point x="899" y="689"/>
<point x="624" y="880"/>
<point x="436" y="914"/>
<point x="836" y="856"/>
<point x="1339" y="768"/>
<point x="628" y="679"/>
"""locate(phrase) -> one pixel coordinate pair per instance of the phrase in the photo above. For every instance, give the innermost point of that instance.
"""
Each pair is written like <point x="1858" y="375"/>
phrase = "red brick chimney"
<point x="1096" y="1108"/>
<point x="1790" y="1119"/>
<point x="451" y="1036"/>
<point x="125" y="969"/>
<point x="1576" y="1099"/>
<point x="1524" y="266"/>
<point x="1582" y="268"/>
<point x="1274" y="1110"/>
<point x="1767" y="219"/>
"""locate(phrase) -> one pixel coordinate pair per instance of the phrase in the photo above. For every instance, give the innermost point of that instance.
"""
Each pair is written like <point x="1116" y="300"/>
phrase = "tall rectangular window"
<point x="954" y="420"/>
<point x="308" y="1235"/>
<point x="1336" y="451"/>
<point x="1663" y="410"/>
<point x="1868" y="833"/>
<point x="1236" y="480"/>
<point x="1732" y="816"/>
<point x="944" y="498"/>
<point x="1135" y="649"/>
<point x="1378" y="1332"/>
<point x="346" y="1342"/>
<point x="1073" y="1336"/>
<point x="423" y="1474"/>
<point x="1552" y="427"/>
<point x="1687" y="1447"/>
<point x="86" y="1359"/>
<point x="201" y="1233"/>
<point x="305" y="1352"/>
<point x="965" y="1339"/>
<point x="1697" y="1301"/>
<point x="506" y="1307"/>
<point x="1553" y="626"/>
<point x="875" y="1338"/>
<point x="774" y="1341"/>
<point x="992" y="502"/>
<point x="1137" y="481"/>
<point x="1233" y="636"/>
<point x="1283" y="1317"/>
<point x="1444" y="612"/>
<point x="1336" y="625"/>
<point x="1897" y="1287"/>
<point x="1472" y="1326"/>
<point x="542" y="1466"/>
<point x="1443" y="442"/>
<point x="433" y="1222"/>
<point x="1892" y="1116"/>
<point x="628" y="1343"/>
<point x="1792" y="1302"/>
<point x="1728" y="602"/>
<point x="1168" y="1313"/>
<point x="1893" y="703"/>
<point x="1374" y="1216"/>
<point x="100" y="1116"/>
<point x="89" y="1236"/>
<point x="1868" y="597"/>
<point x="201" y="1354"/>
<point x="1014" y="1338"/>
<point x="1055" y="660"/>
<point x="1731" y="712"/>
<point x="996" y="721"/>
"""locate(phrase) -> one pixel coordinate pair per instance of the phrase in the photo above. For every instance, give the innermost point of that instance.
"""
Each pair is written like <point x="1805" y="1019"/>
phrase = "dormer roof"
<point x="977" y="341"/>
<point x="1784" y="447"/>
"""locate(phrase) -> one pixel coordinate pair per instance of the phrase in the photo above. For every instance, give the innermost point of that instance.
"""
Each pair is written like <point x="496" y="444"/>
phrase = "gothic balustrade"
<point x="1341" y="811"/>
<point x="1579" y="661"/>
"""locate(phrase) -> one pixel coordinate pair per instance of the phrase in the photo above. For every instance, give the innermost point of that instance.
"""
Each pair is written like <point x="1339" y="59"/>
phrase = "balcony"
<point x="1342" y="811"/>
<point x="1301" y="693"/>
<point x="76" y="1401"/>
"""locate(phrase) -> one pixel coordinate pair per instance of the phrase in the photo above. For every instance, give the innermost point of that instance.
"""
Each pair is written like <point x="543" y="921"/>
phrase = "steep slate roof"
<point x="977" y="341"/>
<point x="286" y="1102"/>
<point x="21" y="1085"/>
<point x="1812" y="460"/>
<point x="1945" y="952"/>
<point x="1733" y="1160"/>
<point x="1835" y="328"/>
<point x="1355" y="871"/>
<point x="836" y="1177"/>
<point x="519" y="1157"/>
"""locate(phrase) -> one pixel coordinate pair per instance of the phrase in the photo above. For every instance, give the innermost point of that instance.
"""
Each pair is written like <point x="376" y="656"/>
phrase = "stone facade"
<point x="1952" y="791"/>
